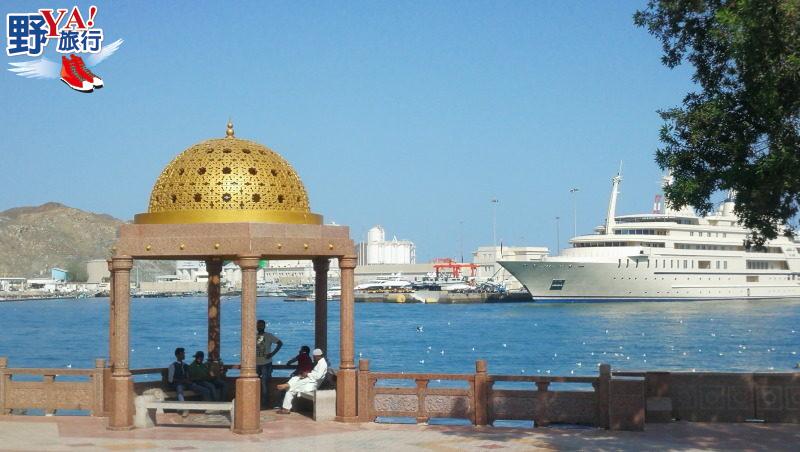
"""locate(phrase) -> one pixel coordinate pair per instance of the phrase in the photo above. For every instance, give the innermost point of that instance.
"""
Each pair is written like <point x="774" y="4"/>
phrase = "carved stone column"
<point x="248" y="386"/>
<point x="346" y="390"/>
<point x="121" y="416"/>
<point x="321" y="266"/>
<point x="107" y="393"/>
<point x="214" y="269"/>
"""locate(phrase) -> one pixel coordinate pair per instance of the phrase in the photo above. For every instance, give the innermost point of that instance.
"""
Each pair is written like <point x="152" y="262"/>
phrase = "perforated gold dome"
<point x="228" y="180"/>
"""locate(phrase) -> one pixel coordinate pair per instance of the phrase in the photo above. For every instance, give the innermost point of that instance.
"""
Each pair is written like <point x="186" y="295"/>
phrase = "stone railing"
<point x="420" y="402"/>
<point x="48" y="394"/>
<point x="721" y="396"/>
<point x="616" y="403"/>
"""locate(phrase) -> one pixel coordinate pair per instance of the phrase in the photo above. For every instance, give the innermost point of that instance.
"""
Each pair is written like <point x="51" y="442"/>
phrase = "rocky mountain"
<point x="35" y="239"/>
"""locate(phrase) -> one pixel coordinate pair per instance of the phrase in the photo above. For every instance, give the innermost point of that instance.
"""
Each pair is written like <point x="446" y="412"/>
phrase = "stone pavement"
<point x="297" y="432"/>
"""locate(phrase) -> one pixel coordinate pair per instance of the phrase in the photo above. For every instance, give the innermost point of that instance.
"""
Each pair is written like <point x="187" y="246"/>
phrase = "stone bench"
<point x="323" y="402"/>
<point x="147" y="406"/>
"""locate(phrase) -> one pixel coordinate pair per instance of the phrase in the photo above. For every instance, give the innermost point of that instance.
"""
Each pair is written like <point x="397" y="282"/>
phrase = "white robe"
<point x="308" y="384"/>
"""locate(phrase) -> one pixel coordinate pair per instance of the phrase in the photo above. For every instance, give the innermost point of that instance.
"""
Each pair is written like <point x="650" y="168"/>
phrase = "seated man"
<point x="306" y="382"/>
<point x="303" y="360"/>
<point x="178" y="377"/>
<point x="200" y="373"/>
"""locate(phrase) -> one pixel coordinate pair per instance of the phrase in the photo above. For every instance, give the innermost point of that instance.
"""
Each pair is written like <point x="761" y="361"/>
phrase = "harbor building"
<point x="487" y="258"/>
<point x="408" y="272"/>
<point x="378" y="250"/>
<point x="59" y="274"/>
<point x="287" y="272"/>
<point x="11" y="284"/>
<point x="97" y="271"/>
<point x="191" y="271"/>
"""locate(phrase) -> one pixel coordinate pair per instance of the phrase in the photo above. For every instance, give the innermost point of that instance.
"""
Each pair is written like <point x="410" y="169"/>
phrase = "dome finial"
<point x="229" y="132"/>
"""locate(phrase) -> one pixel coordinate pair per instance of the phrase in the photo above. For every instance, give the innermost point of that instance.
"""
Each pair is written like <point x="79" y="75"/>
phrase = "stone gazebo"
<point x="231" y="199"/>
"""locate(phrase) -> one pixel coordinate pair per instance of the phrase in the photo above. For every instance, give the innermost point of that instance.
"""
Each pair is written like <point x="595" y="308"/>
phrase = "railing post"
<point x="481" y="394"/>
<point x="364" y="391"/>
<point x="3" y="385"/>
<point x="422" y="411"/>
<point x="602" y="391"/>
<point x="49" y="393"/>
<point x="97" y="386"/>
<point x="542" y="404"/>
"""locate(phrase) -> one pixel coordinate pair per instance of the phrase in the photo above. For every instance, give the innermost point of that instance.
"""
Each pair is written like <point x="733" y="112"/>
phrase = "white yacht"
<point x="662" y="256"/>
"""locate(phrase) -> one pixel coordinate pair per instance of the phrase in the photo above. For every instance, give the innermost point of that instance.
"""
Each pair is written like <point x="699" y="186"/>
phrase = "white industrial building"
<point x="378" y="250"/>
<point x="486" y="258"/>
<point x="274" y="271"/>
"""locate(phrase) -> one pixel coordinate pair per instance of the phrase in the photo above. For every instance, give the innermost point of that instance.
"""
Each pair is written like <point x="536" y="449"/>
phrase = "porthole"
<point x="201" y="170"/>
<point x="280" y="198"/>
<point x="226" y="197"/>
<point x="198" y="197"/>
<point x="252" y="171"/>
<point x="256" y="197"/>
<point x="226" y="170"/>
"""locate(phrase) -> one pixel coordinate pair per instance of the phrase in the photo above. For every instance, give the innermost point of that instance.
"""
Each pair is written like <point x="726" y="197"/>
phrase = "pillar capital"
<point x="321" y="264"/>
<point x="122" y="263"/>
<point x="248" y="262"/>
<point x="348" y="262"/>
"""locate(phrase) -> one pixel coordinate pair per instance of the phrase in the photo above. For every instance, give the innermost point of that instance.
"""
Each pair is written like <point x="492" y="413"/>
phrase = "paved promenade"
<point x="296" y="432"/>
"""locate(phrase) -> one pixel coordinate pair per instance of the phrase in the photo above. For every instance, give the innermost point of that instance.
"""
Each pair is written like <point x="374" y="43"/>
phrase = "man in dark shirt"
<point x="200" y="373"/>
<point x="178" y="377"/>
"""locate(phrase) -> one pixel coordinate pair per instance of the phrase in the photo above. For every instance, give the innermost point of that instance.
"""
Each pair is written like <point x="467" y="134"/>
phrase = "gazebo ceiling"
<point x="228" y="180"/>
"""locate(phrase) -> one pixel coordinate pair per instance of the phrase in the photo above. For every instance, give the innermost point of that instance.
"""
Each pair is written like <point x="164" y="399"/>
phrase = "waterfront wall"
<point x="721" y="396"/>
<point x="82" y="391"/>
<point x="619" y="400"/>
<point x="615" y="403"/>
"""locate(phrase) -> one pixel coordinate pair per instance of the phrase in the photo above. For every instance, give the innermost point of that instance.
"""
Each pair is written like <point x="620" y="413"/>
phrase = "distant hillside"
<point x="35" y="239"/>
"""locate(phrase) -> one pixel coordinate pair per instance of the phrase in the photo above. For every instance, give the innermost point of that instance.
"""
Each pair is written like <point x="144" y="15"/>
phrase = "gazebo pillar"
<point x="107" y="393"/>
<point x="121" y="416"/>
<point x="321" y="266"/>
<point x="346" y="390"/>
<point x="247" y="418"/>
<point x="214" y="269"/>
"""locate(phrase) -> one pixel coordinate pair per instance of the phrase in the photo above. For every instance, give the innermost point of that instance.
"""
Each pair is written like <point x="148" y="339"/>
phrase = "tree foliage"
<point x="741" y="129"/>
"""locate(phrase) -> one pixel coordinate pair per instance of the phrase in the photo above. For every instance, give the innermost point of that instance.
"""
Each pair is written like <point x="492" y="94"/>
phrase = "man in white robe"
<point x="304" y="383"/>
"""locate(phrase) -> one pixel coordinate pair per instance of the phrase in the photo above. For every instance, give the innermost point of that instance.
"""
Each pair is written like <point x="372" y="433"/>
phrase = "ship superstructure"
<point x="665" y="255"/>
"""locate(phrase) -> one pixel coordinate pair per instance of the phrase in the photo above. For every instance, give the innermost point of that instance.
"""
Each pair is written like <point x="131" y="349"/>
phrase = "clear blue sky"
<point x="412" y="115"/>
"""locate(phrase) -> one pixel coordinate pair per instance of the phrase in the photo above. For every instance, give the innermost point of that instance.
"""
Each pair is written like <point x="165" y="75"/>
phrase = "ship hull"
<point x="609" y="282"/>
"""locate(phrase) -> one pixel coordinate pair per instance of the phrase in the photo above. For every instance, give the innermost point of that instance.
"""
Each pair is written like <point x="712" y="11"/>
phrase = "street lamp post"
<point x="574" y="212"/>
<point x="461" y="239"/>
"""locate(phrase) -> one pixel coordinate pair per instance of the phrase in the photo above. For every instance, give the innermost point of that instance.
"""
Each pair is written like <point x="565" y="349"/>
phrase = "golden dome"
<point x="228" y="180"/>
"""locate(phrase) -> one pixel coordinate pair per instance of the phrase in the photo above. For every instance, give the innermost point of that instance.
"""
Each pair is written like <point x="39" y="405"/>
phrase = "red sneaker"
<point x="85" y="73"/>
<point x="70" y="76"/>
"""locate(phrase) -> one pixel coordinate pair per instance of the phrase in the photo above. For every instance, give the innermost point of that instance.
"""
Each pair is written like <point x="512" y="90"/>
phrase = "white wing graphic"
<point x="42" y="68"/>
<point x="96" y="58"/>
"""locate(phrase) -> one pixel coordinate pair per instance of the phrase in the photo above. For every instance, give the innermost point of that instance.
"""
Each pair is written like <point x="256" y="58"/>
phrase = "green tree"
<point x="741" y="129"/>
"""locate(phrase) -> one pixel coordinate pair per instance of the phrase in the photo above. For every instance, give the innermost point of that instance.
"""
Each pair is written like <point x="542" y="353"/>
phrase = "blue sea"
<point x="516" y="339"/>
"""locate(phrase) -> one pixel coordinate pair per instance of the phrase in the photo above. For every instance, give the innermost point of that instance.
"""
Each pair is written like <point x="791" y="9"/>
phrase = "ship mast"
<point x="612" y="203"/>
